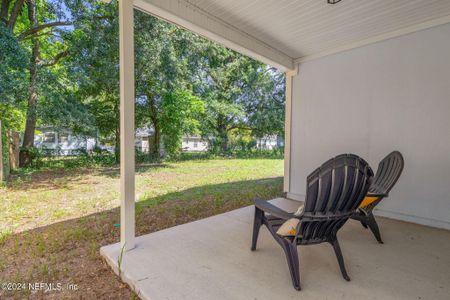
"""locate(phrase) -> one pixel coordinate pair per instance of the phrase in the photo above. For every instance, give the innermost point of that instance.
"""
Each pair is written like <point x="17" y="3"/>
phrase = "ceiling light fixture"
<point x="333" y="1"/>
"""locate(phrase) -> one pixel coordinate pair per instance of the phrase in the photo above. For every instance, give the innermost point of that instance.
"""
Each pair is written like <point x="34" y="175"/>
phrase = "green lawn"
<point x="54" y="222"/>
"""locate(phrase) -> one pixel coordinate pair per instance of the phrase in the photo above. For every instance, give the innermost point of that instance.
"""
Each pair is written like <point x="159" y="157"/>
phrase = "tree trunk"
<point x="157" y="139"/>
<point x="4" y="11"/>
<point x="223" y="134"/>
<point x="30" y="126"/>
<point x="16" y="11"/>
<point x="224" y="142"/>
<point x="13" y="149"/>
<point x="156" y="126"/>
<point x="117" y="145"/>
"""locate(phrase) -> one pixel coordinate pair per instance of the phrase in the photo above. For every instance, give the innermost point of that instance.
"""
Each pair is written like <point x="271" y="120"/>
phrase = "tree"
<point x="13" y="67"/>
<point x="217" y="83"/>
<point x="181" y="112"/>
<point x="72" y="77"/>
<point x="264" y="101"/>
<point x="94" y="64"/>
<point x="240" y="94"/>
<point x="36" y="24"/>
<point x="163" y="53"/>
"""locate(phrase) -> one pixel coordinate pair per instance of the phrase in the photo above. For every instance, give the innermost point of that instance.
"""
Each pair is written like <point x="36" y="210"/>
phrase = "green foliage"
<point x="161" y="50"/>
<point x="94" y="63"/>
<point x="33" y="82"/>
<point x="163" y="56"/>
<point x="103" y="159"/>
<point x="12" y="116"/>
<point x="264" y="101"/>
<point x="13" y="64"/>
<point x="181" y="112"/>
<point x="35" y="155"/>
<point x="241" y="139"/>
<point x="96" y="160"/>
<point x="239" y="93"/>
<point x="61" y="107"/>
<point x="184" y="83"/>
<point x="185" y="156"/>
<point x="13" y="80"/>
<point x="252" y="153"/>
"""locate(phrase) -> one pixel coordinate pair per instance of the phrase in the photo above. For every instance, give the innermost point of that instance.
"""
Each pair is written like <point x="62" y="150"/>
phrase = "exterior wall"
<point x="62" y="142"/>
<point x="391" y="95"/>
<point x="194" y="143"/>
<point x="269" y="142"/>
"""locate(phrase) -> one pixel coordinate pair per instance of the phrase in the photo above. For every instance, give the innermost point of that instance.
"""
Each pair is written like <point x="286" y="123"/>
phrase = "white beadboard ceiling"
<point x="299" y="29"/>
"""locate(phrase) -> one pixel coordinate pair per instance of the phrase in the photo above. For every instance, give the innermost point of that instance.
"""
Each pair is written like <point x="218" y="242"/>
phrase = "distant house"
<point x="194" y="143"/>
<point x="269" y="142"/>
<point x="62" y="142"/>
<point x="144" y="141"/>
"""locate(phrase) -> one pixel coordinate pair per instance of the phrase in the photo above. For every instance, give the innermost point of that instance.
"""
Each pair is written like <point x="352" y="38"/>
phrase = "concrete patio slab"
<point x="211" y="259"/>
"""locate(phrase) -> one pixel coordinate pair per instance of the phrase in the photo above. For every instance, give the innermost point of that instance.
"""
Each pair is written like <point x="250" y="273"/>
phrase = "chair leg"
<point x="259" y="214"/>
<point x="292" y="259"/>
<point x="372" y="223"/>
<point x="363" y="224"/>
<point x="340" y="258"/>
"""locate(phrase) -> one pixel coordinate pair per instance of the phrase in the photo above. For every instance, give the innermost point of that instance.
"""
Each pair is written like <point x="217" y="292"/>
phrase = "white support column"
<point x="287" y="130"/>
<point x="127" y="194"/>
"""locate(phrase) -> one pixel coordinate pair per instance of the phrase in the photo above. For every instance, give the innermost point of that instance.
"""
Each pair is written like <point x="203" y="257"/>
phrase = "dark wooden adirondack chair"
<point x="333" y="193"/>
<point x="388" y="172"/>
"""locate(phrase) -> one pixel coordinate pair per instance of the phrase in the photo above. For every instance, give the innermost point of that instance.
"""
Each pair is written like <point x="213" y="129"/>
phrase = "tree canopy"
<point x="59" y="66"/>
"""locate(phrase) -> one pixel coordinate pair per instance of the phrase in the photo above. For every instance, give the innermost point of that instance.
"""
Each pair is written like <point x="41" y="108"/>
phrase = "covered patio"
<point x="362" y="77"/>
<point x="211" y="259"/>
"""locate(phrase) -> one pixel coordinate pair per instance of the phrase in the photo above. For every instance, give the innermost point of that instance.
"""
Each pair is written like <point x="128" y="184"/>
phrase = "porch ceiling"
<point x="282" y="32"/>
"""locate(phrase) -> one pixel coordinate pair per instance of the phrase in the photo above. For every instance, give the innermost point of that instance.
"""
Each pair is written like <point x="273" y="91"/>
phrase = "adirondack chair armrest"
<point x="269" y="208"/>
<point x="379" y="195"/>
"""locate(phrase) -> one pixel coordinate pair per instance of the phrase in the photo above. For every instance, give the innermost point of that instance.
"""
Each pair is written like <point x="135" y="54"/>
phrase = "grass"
<point x="53" y="222"/>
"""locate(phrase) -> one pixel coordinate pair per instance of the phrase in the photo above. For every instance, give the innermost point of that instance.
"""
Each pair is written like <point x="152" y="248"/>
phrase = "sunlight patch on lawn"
<point x="46" y="197"/>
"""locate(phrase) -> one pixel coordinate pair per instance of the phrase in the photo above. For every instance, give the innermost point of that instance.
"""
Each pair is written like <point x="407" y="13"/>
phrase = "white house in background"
<point x="269" y="142"/>
<point x="144" y="138"/>
<point x="62" y="142"/>
<point x="194" y="143"/>
<point x="144" y="141"/>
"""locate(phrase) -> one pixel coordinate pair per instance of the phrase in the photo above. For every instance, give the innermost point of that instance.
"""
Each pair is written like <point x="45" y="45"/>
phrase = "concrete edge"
<point x="113" y="264"/>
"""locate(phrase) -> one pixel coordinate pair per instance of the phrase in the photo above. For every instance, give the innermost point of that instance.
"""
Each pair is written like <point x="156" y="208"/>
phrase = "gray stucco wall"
<point x="391" y="95"/>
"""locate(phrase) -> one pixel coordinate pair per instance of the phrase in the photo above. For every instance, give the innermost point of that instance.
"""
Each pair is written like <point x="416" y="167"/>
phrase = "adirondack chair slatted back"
<point x="334" y="191"/>
<point x="388" y="172"/>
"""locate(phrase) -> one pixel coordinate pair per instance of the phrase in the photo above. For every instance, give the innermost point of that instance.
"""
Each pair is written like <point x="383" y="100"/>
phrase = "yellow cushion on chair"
<point x="368" y="200"/>
<point x="289" y="228"/>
